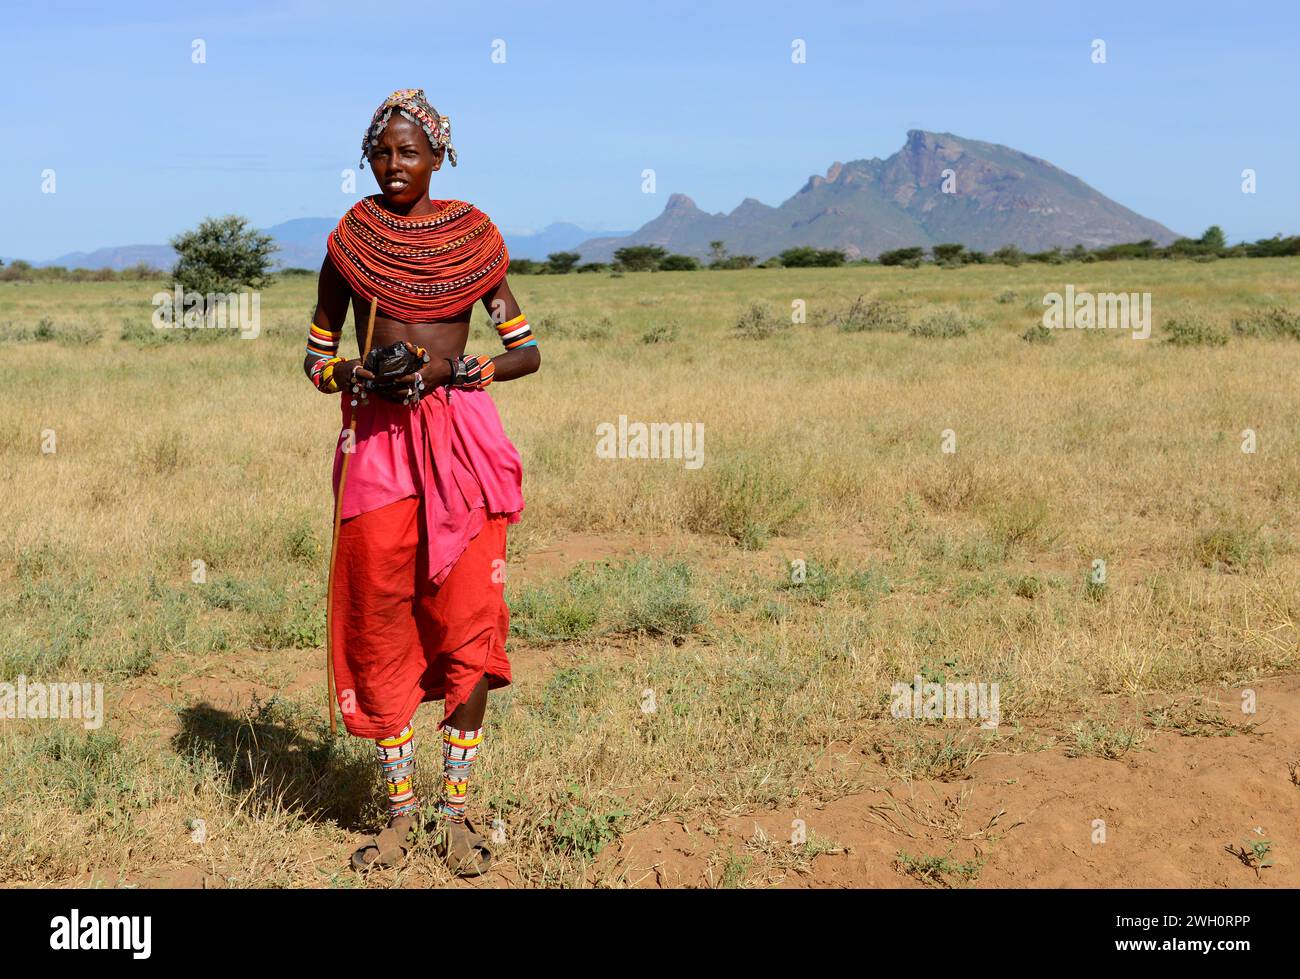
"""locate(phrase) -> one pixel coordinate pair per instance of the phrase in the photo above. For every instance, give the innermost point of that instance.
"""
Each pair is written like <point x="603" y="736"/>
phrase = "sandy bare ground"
<point x="1172" y="810"/>
<point x="1176" y="813"/>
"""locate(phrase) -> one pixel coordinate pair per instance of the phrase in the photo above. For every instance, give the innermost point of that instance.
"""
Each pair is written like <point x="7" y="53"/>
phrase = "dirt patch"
<point x="1181" y="811"/>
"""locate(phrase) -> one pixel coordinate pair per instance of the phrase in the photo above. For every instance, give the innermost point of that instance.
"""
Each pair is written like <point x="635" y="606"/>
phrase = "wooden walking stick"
<point x="330" y="692"/>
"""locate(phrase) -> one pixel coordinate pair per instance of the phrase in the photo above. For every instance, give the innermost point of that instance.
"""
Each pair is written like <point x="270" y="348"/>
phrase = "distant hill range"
<point x="302" y="245"/>
<point x="1000" y="197"/>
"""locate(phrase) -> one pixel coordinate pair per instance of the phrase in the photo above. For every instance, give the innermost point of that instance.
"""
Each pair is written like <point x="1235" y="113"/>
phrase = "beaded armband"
<point x="322" y="342"/>
<point x="471" y="373"/>
<point x="516" y="333"/>
<point x="323" y="347"/>
<point x="322" y="374"/>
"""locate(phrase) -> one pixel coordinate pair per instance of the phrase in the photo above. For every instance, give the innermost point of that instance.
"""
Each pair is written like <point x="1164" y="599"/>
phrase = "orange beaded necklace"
<point x="420" y="269"/>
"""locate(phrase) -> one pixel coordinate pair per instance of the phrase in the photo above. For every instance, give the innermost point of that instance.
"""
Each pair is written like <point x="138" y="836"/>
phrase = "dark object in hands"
<point x="388" y="364"/>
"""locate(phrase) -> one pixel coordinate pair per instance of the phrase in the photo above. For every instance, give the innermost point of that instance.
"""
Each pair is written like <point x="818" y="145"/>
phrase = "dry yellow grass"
<point x="819" y="444"/>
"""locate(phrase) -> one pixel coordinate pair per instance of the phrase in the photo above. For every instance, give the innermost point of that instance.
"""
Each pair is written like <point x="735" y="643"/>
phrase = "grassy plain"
<point x="643" y="583"/>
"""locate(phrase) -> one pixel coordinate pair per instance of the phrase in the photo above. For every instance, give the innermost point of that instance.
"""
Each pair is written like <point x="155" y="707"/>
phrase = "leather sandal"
<point x="389" y="847"/>
<point x="465" y="850"/>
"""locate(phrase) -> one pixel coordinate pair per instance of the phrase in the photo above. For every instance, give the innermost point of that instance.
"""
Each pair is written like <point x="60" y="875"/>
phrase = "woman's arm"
<point x="524" y="358"/>
<point x="333" y="297"/>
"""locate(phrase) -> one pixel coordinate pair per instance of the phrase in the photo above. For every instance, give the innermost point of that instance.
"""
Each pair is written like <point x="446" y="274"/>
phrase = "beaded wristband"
<point x="322" y="342"/>
<point x="479" y="372"/>
<point x="322" y="375"/>
<point x="516" y="333"/>
<point x="471" y="373"/>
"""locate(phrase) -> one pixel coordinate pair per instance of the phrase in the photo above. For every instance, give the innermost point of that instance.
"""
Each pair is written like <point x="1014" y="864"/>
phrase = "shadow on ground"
<point x="284" y="759"/>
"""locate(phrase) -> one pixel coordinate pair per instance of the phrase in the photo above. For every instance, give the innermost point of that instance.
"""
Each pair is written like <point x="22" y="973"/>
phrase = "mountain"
<point x="301" y="243"/>
<point x="1000" y="196"/>
<point x="120" y="257"/>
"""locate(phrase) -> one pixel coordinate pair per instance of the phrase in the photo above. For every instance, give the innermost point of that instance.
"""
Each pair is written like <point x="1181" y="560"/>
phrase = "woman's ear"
<point x="438" y="156"/>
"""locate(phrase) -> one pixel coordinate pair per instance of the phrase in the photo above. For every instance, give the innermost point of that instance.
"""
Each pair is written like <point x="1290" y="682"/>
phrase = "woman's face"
<point x="403" y="161"/>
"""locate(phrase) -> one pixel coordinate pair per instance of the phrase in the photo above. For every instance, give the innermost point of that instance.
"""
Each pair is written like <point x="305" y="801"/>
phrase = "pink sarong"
<point x="450" y="450"/>
<point x="419" y="605"/>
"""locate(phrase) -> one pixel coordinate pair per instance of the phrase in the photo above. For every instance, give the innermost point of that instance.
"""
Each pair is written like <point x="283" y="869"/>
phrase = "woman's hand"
<point x="352" y="377"/>
<point x="410" y="388"/>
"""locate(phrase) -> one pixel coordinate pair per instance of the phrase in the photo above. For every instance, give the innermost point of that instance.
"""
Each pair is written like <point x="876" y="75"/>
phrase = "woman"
<point x="418" y="610"/>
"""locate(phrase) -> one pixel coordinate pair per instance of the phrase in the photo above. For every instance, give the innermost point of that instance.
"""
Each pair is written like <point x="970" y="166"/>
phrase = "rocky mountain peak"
<point x="999" y="196"/>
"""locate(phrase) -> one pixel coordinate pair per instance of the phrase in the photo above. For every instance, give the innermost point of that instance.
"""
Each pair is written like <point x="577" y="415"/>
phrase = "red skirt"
<point x="399" y="640"/>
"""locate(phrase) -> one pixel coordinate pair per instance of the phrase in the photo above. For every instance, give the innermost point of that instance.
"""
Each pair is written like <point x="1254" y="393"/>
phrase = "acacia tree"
<point x="640" y="258"/>
<point x="952" y="253"/>
<point x="1214" y="239"/>
<point x="561" y="263"/>
<point x="222" y="255"/>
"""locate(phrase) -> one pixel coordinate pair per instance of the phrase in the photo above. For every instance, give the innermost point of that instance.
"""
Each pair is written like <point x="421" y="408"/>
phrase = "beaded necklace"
<point x="419" y="268"/>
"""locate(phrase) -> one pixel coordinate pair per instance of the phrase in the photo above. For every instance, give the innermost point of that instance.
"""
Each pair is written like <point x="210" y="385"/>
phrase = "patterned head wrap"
<point x="413" y="105"/>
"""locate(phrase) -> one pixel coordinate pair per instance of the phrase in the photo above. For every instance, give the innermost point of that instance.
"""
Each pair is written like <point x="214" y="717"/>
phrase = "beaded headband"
<point x="412" y="105"/>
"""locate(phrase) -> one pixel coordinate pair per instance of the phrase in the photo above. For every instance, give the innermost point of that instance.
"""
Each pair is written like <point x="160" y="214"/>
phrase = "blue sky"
<point x="145" y="143"/>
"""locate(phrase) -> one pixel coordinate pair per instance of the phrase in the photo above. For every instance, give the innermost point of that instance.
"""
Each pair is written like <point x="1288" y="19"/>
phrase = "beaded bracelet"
<point x="322" y="375"/>
<point x="516" y="333"/>
<point x="322" y="341"/>
<point x="471" y="373"/>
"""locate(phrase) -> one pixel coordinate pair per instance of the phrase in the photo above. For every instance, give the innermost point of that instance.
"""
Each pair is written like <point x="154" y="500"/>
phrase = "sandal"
<point x="466" y="851"/>
<point x="390" y="847"/>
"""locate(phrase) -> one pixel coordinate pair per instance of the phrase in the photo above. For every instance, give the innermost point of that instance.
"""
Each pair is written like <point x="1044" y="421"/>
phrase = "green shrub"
<point x="805" y="257"/>
<point x="943" y="324"/>
<point x="1027" y="586"/>
<point x="822" y="581"/>
<point x="661" y="333"/>
<point x="906" y="257"/>
<point x="577" y="831"/>
<point x="1229" y="548"/>
<point x="79" y="335"/>
<point x="657" y="599"/>
<point x="678" y="263"/>
<point x="558" y="611"/>
<point x="554" y="327"/>
<point x="1194" y="331"/>
<point x="1276" y="322"/>
<point x="870" y="314"/>
<point x="143" y="333"/>
<point x="643" y="596"/>
<point x="760" y="321"/>
<point x="743" y="502"/>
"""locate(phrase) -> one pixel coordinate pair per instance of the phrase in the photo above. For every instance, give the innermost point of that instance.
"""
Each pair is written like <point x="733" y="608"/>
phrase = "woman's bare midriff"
<point x="442" y="339"/>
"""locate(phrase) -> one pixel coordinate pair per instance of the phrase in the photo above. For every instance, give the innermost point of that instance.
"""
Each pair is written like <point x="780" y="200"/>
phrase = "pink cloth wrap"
<point x="450" y="451"/>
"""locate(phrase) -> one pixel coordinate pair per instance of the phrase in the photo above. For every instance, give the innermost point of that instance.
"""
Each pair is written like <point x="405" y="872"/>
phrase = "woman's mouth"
<point x="395" y="183"/>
